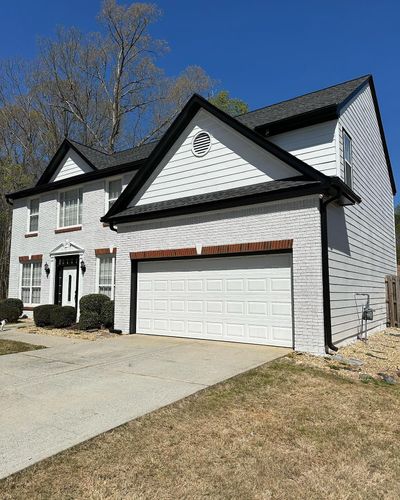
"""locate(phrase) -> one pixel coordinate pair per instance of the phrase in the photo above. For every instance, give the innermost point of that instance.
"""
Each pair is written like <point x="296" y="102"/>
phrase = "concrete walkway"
<point x="54" y="398"/>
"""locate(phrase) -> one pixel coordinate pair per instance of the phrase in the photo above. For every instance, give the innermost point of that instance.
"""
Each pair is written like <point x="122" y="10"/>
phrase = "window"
<point x="106" y="275"/>
<point x="114" y="190"/>
<point x="30" y="282"/>
<point x="70" y="208"/>
<point x="347" y="159"/>
<point x="33" y="216"/>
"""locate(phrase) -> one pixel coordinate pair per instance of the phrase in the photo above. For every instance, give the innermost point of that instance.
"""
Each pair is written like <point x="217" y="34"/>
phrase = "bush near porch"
<point x="96" y="310"/>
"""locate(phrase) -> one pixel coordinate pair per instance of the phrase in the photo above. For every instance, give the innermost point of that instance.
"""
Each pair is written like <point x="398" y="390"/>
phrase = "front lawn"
<point x="12" y="347"/>
<point x="284" y="430"/>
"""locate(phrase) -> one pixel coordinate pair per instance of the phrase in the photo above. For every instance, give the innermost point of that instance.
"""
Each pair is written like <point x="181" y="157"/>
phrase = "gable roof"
<point x="301" y="111"/>
<point x="196" y="103"/>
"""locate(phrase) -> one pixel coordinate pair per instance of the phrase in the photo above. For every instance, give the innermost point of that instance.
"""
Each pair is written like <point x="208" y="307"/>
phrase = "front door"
<point x="66" y="281"/>
<point x="69" y="292"/>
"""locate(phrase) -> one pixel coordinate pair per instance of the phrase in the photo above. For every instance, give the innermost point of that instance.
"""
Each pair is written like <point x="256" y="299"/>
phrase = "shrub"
<point x="89" y="320"/>
<point x="15" y="303"/>
<point x="41" y="314"/>
<point x="107" y="314"/>
<point x="93" y="302"/>
<point x="8" y="312"/>
<point x="62" y="316"/>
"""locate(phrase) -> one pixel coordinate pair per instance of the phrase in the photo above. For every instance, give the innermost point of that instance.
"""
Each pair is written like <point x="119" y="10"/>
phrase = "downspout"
<point x="323" y="204"/>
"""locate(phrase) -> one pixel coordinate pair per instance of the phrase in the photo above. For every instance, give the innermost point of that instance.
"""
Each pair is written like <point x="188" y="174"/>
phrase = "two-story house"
<point x="274" y="227"/>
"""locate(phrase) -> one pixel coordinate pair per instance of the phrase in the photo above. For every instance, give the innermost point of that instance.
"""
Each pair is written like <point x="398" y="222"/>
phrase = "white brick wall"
<point x="296" y="219"/>
<point x="93" y="235"/>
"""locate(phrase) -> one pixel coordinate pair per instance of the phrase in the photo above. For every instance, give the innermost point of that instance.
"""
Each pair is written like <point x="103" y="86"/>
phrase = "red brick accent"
<point x="106" y="224"/>
<point x="68" y="229"/>
<point x="237" y="248"/>
<point x="105" y="251"/>
<point x="25" y="258"/>
<point x="29" y="308"/>
<point x="31" y="235"/>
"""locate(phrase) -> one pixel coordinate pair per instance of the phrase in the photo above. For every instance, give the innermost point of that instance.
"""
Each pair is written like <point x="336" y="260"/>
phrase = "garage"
<point x="246" y="298"/>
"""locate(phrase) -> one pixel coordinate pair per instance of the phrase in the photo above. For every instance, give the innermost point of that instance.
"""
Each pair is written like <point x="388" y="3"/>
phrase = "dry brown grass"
<point x="12" y="347"/>
<point x="281" y="431"/>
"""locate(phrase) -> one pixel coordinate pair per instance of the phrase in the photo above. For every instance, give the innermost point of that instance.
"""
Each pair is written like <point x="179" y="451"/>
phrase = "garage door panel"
<point x="242" y="299"/>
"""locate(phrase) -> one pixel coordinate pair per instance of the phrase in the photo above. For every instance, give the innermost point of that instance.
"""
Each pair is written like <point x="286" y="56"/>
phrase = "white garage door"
<point x="237" y="299"/>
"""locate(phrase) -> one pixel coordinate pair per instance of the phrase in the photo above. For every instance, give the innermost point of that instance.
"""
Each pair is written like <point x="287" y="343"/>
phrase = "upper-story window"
<point x="347" y="159"/>
<point x="70" y="208"/>
<point x="113" y="192"/>
<point x="33" y="223"/>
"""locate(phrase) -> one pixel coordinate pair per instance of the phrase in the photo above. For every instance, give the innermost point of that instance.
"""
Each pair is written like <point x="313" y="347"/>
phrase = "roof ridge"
<point x="89" y="147"/>
<point x="303" y="95"/>
<point x="134" y="147"/>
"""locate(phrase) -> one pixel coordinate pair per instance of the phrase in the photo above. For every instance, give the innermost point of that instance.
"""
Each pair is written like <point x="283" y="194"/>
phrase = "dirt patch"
<point x="380" y="354"/>
<point x="28" y="326"/>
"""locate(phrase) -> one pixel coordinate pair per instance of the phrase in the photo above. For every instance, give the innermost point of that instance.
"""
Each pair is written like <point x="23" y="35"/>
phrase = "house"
<point x="266" y="228"/>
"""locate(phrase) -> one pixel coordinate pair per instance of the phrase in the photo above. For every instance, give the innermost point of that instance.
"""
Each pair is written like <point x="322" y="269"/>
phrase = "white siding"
<point x="314" y="145"/>
<point x="71" y="165"/>
<point x="232" y="161"/>
<point x="361" y="238"/>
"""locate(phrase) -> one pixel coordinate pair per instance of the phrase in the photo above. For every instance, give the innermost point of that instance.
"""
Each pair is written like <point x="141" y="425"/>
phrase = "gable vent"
<point x="201" y="144"/>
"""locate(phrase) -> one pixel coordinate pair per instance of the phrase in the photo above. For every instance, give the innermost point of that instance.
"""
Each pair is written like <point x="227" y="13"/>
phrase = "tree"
<point x="12" y="178"/>
<point x="230" y="105"/>
<point x="105" y="89"/>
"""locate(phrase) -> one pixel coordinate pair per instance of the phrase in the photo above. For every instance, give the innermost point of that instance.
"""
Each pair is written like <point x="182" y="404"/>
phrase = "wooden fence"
<point x="393" y="300"/>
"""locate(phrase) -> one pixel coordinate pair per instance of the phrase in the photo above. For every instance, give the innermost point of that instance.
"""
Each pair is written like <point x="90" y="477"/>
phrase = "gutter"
<point x="323" y="204"/>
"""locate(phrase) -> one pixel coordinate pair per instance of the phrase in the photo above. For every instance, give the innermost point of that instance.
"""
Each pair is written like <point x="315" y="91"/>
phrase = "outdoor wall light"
<point x="83" y="267"/>
<point x="47" y="269"/>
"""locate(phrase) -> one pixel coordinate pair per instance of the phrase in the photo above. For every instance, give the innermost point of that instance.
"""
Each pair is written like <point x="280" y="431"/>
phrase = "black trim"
<point x="307" y="119"/>
<point x="382" y="132"/>
<point x="55" y="161"/>
<point x="329" y="346"/>
<point x="61" y="262"/>
<point x="133" y="308"/>
<point x="220" y="204"/>
<point x="279" y="194"/>
<point x="77" y="179"/>
<point x="171" y="135"/>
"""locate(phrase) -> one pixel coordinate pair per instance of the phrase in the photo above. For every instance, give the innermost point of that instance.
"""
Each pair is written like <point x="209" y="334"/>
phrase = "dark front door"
<point x="67" y="279"/>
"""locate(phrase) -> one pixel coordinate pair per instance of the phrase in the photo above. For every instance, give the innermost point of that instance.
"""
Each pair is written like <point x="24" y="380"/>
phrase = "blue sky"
<point x="261" y="51"/>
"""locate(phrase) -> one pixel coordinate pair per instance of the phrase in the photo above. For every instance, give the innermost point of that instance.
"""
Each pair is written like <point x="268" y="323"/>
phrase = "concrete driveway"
<point x="54" y="398"/>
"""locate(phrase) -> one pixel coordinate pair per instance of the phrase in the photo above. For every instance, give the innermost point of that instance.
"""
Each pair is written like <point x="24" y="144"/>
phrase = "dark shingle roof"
<point x="227" y="194"/>
<point x="331" y="96"/>
<point x="103" y="160"/>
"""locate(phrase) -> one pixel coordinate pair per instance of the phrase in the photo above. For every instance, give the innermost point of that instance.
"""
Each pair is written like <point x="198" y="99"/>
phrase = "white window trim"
<point x="21" y="264"/>
<point x="28" y="222"/>
<point x="77" y="187"/>
<point x="112" y="273"/>
<point x="344" y="133"/>
<point x="107" y="190"/>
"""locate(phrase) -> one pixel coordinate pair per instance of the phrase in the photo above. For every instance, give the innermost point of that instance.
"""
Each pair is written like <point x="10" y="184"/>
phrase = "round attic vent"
<point x="201" y="143"/>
